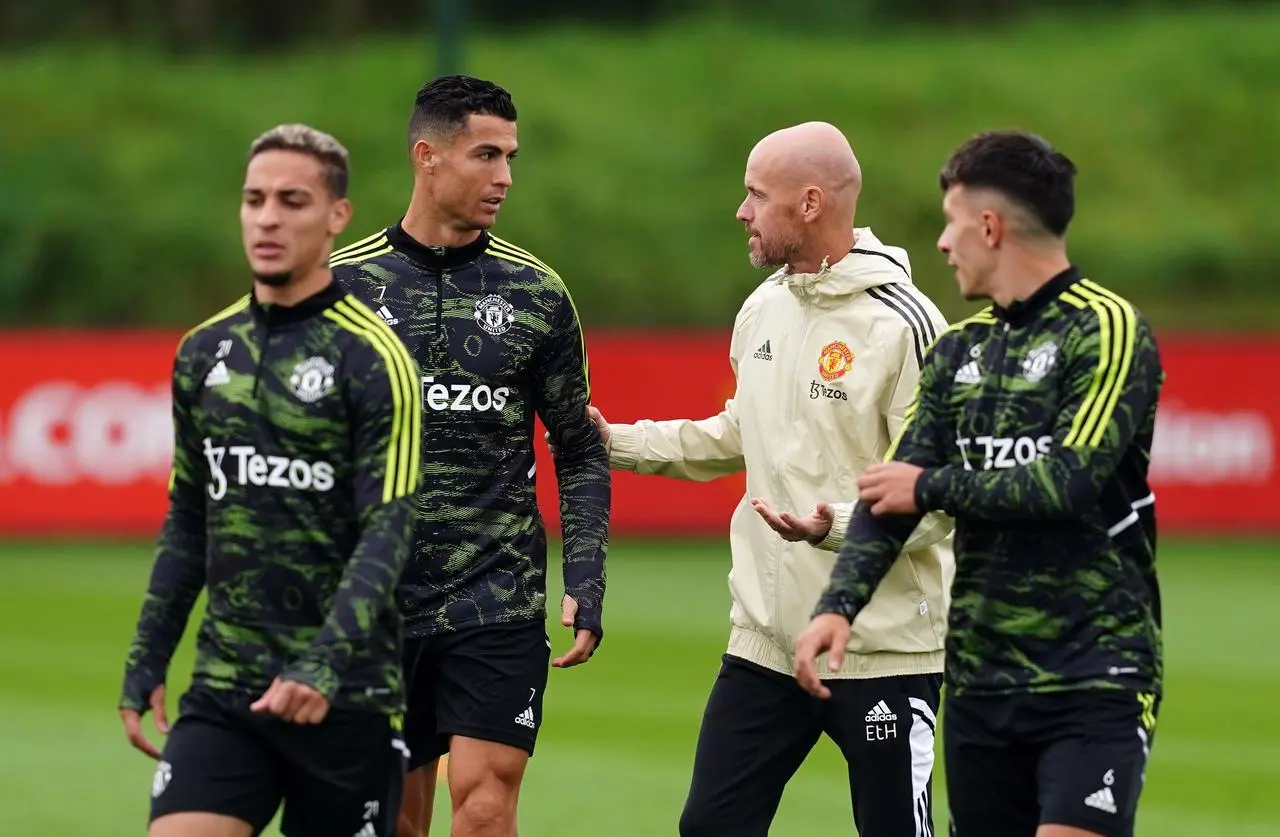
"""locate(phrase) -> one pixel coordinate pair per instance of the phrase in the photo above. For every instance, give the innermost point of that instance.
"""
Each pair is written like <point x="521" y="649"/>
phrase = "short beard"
<point x="274" y="280"/>
<point x="776" y="254"/>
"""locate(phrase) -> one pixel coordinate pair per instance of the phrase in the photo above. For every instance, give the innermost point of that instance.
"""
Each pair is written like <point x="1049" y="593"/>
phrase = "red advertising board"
<point x="85" y="431"/>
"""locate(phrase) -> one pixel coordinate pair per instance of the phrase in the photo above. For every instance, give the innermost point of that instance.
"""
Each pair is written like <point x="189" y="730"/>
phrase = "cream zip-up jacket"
<point x="826" y="364"/>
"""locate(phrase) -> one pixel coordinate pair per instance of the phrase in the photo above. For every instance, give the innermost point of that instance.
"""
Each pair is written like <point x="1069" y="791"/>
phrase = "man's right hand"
<point x="133" y="723"/>
<point x="597" y="419"/>
<point x="813" y="528"/>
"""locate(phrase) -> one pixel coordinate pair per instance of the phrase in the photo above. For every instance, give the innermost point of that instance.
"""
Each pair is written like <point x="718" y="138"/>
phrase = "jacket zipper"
<point x="793" y="382"/>
<point x="262" y="355"/>
<point x="997" y="368"/>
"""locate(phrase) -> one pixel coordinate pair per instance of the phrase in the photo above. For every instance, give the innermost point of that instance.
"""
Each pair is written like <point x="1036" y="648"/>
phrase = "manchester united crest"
<point x="494" y="314"/>
<point x="312" y="379"/>
<point x="835" y="360"/>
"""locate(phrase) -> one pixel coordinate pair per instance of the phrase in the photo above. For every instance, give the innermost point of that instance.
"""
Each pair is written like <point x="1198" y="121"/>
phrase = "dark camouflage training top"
<point x="1034" y="426"/>
<point x="294" y="466"/>
<point x="498" y="340"/>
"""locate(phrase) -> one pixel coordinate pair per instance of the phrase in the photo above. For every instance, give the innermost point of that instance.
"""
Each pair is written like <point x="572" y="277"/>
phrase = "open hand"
<point x="296" y="703"/>
<point x="584" y="641"/>
<point x="812" y="528"/>
<point x="133" y="723"/>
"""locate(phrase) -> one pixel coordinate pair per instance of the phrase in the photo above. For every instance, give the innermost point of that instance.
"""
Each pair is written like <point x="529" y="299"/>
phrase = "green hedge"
<point x="119" y="172"/>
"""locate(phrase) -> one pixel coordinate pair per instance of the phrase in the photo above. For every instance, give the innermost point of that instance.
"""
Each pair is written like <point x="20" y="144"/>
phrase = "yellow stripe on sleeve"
<point x="361" y="257"/>
<point x="231" y="310"/>
<point x="908" y="416"/>
<point x="505" y="250"/>
<point x="411" y="441"/>
<point x="1117" y="337"/>
<point x="400" y="477"/>
<point x="534" y="261"/>
<point x="373" y="242"/>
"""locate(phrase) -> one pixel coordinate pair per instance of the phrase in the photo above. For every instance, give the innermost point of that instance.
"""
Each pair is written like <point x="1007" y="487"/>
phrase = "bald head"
<point x="812" y="154"/>
<point x="802" y="185"/>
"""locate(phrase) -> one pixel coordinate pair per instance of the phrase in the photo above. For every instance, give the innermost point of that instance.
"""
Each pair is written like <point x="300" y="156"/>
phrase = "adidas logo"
<point x="1103" y="800"/>
<point x="367" y="831"/>
<point x="218" y="375"/>
<point x="525" y="718"/>
<point x="969" y="373"/>
<point x="385" y="313"/>
<point x="880" y="713"/>
<point x="765" y="352"/>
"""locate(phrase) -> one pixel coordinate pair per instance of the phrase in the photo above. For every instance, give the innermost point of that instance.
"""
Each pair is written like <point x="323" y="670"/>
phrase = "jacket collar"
<point x="869" y="264"/>
<point x="274" y="315"/>
<point x="1022" y="310"/>
<point x="436" y="256"/>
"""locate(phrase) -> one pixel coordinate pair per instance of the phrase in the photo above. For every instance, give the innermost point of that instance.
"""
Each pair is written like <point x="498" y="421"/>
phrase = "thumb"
<point x="568" y="611"/>
<point x="825" y="512"/>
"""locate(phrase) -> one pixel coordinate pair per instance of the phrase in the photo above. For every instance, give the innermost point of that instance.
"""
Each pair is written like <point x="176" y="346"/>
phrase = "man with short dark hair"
<point x="499" y="342"/>
<point x="1032" y="426"/>
<point x="295" y="464"/>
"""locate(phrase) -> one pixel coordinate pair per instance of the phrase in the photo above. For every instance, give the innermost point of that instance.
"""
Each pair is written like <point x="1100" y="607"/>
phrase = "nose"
<point x="268" y="214"/>
<point x="503" y="177"/>
<point x="744" y="213"/>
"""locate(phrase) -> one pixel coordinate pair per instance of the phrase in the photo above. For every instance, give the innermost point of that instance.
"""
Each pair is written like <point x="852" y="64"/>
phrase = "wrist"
<point x="313" y="673"/>
<point x="926" y="491"/>
<point x="835" y="604"/>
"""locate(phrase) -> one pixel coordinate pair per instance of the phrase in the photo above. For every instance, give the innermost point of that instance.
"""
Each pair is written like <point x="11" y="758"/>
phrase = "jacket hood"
<point x="870" y="264"/>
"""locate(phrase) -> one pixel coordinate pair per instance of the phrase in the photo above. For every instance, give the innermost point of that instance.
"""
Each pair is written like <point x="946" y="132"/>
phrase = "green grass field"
<point x="618" y="737"/>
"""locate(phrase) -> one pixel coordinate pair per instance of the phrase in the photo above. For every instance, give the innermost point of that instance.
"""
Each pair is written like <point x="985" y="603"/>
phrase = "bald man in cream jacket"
<point x="826" y="353"/>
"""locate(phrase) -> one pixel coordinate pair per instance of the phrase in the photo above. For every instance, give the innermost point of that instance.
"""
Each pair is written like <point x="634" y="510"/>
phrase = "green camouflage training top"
<point x="1034" y="426"/>
<point x="498" y="342"/>
<point x="295" y="462"/>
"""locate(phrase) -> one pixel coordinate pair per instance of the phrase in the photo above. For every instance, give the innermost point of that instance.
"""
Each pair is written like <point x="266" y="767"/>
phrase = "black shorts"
<point x="484" y="683"/>
<point x="1067" y="758"/>
<point x="338" y="778"/>
<point x="759" y="726"/>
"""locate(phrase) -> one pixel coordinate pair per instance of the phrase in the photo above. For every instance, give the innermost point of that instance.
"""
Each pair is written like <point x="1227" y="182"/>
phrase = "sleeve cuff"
<point x="843" y="513"/>
<point x="930" y="486"/>
<point x="317" y="675"/>
<point x="623" y="447"/>
<point x="835" y="603"/>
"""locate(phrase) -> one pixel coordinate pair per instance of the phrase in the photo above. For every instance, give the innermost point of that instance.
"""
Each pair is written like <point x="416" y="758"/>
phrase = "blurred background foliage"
<point x="127" y="123"/>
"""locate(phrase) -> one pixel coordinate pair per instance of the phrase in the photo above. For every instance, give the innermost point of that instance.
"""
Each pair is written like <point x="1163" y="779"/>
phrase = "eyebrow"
<point x="294" y="192"/>
<point x="488" y="146"/>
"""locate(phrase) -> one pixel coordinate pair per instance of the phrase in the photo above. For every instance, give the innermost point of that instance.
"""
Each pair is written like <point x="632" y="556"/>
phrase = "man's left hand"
<point x="584" y="641"/>
<point x="890" y="488"/>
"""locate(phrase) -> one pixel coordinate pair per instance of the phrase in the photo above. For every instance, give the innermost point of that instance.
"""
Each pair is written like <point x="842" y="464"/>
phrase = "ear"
<point x="339" y="217"/>
<point x="994" y="226"/>
<point x="812" y="201"/>
<point x="425" y="156"/>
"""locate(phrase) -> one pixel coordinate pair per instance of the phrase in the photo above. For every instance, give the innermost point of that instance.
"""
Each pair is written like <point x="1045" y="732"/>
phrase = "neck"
<point x="426" y="224"/>
<point x="309" y="284"/>
<point x="831" y="246"/>
<point x="1027" y="272"/>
